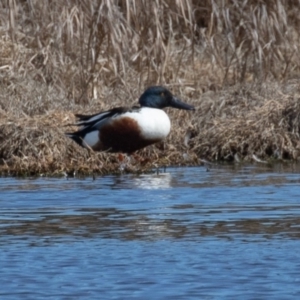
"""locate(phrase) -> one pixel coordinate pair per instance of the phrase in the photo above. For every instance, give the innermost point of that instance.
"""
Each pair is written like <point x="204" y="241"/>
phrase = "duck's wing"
<point x="91" y="124"/>
<point x="94" y="121"/>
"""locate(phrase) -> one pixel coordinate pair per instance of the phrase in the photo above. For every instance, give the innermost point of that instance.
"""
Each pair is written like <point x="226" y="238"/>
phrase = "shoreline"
<point x="227" y="126"/>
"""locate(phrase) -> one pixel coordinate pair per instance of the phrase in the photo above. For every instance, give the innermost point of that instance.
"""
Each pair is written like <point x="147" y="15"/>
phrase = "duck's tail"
<point x="76" y="137"/>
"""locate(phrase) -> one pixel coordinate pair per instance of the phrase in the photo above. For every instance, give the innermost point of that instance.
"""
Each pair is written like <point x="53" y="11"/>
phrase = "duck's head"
<point x="160" y="97"/>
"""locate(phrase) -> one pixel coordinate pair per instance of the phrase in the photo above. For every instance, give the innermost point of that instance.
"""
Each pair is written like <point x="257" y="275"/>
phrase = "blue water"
<point x="189" y="233"/>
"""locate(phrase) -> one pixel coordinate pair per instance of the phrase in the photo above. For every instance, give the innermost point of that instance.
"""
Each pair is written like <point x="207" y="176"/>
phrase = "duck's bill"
<point x="177" y="103"/>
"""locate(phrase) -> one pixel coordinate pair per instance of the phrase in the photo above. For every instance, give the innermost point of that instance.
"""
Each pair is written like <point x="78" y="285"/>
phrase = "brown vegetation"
<point x="236" y="61"/>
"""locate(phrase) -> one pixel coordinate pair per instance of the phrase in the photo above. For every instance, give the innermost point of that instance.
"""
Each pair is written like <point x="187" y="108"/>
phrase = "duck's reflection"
<point x="145" y="181"/>
<point x="153" y="182"/>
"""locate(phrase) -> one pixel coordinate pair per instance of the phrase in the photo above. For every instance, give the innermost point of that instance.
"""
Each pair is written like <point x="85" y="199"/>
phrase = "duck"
<point x="128" y="129"/>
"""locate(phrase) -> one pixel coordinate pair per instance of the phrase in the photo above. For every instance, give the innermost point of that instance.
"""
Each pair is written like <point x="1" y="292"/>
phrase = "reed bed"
<point x="236" y="61"/>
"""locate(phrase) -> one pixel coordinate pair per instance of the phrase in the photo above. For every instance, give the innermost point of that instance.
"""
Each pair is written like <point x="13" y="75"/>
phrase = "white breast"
<point x="154" y="123"/>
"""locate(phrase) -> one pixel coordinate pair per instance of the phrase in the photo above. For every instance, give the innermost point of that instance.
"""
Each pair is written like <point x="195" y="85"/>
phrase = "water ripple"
<point x="230" y="232"/>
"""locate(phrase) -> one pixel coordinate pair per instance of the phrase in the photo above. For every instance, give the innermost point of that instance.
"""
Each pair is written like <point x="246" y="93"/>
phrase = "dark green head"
<point x="160" y="97"/>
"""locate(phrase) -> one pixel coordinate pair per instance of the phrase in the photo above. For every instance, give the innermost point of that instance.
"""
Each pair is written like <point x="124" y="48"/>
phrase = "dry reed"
<point x="236" y="61"/>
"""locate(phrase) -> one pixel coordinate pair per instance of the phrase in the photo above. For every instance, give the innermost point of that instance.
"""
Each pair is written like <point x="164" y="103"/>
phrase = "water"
<point x="189" y="233"/>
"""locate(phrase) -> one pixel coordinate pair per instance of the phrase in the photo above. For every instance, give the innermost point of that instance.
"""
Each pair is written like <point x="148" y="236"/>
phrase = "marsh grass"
<point x="236" y="61"/>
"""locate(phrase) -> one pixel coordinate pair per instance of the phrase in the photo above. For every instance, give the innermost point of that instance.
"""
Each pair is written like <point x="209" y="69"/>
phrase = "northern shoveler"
<point x="129" y="129"/>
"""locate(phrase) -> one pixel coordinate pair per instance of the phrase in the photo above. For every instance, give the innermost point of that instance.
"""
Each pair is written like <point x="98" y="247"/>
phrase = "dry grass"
<point x="236" y="61"/>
